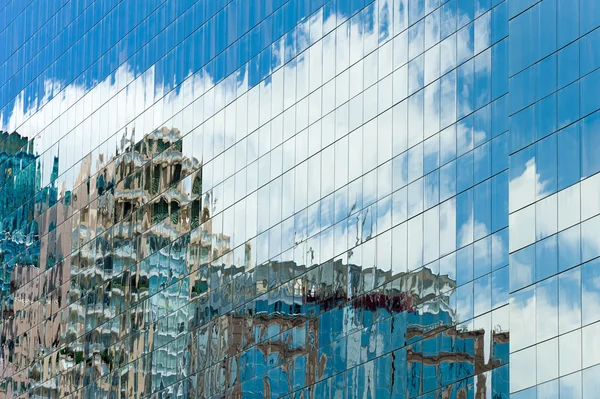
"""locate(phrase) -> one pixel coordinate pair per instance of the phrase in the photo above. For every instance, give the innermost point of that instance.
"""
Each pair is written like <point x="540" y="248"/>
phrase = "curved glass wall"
<point x="299" y="199"/>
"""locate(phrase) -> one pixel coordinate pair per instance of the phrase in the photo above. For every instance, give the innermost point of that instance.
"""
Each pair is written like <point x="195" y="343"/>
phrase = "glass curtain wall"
<point x="299" y="199"/>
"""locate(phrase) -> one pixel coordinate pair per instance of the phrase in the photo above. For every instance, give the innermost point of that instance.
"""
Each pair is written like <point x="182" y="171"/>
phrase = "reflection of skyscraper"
<point x="142" y="216"/>
<point x="153" y="206"/>
<point x="423" y="328"/>
<point x="18" y="185"/>
<point x="17" y="174"/>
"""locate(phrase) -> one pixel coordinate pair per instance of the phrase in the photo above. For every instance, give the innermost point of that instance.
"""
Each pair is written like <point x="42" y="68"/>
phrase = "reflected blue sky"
<point x="178" y="38"/>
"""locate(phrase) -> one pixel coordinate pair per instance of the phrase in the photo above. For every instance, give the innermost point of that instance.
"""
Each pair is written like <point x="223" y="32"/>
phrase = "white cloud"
<point x="526" y="187"/>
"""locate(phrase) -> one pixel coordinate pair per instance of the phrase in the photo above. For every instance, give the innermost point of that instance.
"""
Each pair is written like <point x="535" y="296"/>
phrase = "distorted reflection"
<point x="296" y="199"/>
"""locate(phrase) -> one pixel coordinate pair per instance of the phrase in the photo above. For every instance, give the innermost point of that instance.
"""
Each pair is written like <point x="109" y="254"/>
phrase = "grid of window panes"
<point x="554" y="198"/>
<point x="261" y="198"/>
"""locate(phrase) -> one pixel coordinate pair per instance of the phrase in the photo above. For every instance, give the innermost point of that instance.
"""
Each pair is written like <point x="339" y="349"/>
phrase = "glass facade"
<point x="300" y="199"/>
<point x="554" y="197"/>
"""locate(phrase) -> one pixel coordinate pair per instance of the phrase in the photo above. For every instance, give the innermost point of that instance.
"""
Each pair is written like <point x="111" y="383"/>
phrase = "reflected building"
<point x="194" y="318"/>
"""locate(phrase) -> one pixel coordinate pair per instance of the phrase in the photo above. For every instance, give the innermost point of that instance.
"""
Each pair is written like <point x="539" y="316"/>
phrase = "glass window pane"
<point x="569" y="300"/>
<point x="547" y="360"/>
<point x="523" y="369"/>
